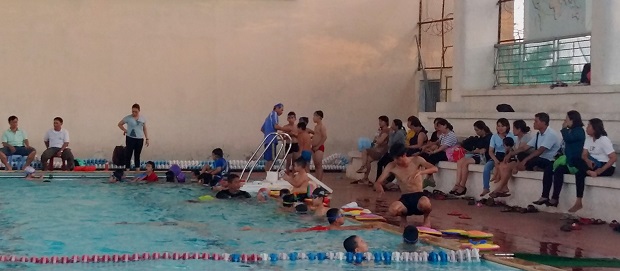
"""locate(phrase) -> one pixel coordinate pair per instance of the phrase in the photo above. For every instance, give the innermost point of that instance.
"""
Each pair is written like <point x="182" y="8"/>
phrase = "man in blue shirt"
<point x="271" y="126"/>
<point x="546" y="144"/>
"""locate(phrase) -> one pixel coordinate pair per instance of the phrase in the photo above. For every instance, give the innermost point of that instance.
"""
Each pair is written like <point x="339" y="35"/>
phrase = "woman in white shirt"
<point x="598" y="158"/>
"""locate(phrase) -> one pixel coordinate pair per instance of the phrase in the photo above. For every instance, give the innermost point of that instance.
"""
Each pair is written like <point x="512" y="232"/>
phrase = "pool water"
<point x="89" y="216"/>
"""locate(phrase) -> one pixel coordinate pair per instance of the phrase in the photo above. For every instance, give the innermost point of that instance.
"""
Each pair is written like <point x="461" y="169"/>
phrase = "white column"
<point x="475" y="34"/>
<point x="604" y="53"/>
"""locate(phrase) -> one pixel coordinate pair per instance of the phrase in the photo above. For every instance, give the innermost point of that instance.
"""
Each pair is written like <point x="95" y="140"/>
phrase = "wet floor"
<point x="515" y="232"/>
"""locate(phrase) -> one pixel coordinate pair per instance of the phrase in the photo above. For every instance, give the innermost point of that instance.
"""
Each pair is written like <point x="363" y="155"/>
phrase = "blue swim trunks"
<point x="306" y="155"/>
<point x="270" y="151"/>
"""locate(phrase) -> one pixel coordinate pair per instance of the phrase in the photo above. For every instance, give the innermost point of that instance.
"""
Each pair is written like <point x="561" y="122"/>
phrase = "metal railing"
<point x="541" y="62"/>
<point x="275" y="137"/>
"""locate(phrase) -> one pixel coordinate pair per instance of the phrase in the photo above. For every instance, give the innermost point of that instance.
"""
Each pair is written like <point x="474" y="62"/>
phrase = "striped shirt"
<point x="449" y="139"/>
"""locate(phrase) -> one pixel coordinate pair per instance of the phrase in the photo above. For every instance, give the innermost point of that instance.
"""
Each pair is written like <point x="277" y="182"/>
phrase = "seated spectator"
<point x="220" y="168"/>
<point x="508" y="167"/>
<point x="497" y="153"/>
<point x="598" y="159"/>
<point x="233" y="190"/>
<point x="420" y="137"/>
<point x="574" y="137"/>
<point x="380" y="148"/>
<point x="477" y="156"/>
<point x="585" y="74"/>
<point x="447" y="139"/>
<point x="57" y="143"/>
<point x="355" y="244"/>
<point x="149" y="174"/>
<point x="15" y="142"/>
<point x="431" y="144"/>
<point x="397" y="136"/>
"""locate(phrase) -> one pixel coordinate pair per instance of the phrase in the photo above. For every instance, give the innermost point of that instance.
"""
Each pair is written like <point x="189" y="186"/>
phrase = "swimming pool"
<point x="89" y="216"/>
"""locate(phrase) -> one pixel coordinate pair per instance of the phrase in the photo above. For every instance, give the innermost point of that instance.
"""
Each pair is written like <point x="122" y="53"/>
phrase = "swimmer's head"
<point x="335" y="217"/>
<point x="509" y="142"/>
<point x="355" y="244"/>
<point x="318" y="115"/>
<point x="150" y="166"/>
<point x="302" y="125"/>
<point x="410" y="235"/>
<point x="304" y="120"/>
<point x="291" y="117"/>
<point x="300" y="164"/>
<point x="288" y="200"/>
<point x="119" y="174"/>
<point x="279" y="108"/>
<point x="234" y="182"/>
<point x="263" y="194"/>
<point x="399" y="153"/>
<point x="284" y="192"/>
<point x="217" y="153"/>
<point x="301" y="209"/>
<point x="318" y="196"/>
<point x="384" y="121"/>
<point x="29" y="170"/>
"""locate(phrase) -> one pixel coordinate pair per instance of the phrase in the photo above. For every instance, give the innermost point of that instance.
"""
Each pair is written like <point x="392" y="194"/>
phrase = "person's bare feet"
<point x="578" y="205"/>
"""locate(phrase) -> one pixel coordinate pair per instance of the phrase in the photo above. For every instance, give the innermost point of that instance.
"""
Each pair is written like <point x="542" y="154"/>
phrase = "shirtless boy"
<point x="305" y="144"/>
<point x="300" y="181"/>
<point x="318" y="143"/>
<point x="291" y="129"/>
<point x="407" y="171"/>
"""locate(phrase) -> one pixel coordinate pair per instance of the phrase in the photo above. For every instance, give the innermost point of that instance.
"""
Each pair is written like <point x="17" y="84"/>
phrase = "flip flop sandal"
<point x="502" y="195"/>
<point x="617" y="228"/>
<point x="454" y="213"/>
<point x="357" y="181"/>
<point x="568" y="217"/>
<point x="462" y="193"/>
<point x="508" y="210"/>
<point x="586" y="221"/>
<point x="614" y="224"/>
<point x="471" y="202"/>
<point x="532" y="209"/>
<point x="490" y="202"/>
<point x="566" y="228"/>
<point x="575" y="226"/>
<point x="464" y="216"/>
<point x="599" y="222"/>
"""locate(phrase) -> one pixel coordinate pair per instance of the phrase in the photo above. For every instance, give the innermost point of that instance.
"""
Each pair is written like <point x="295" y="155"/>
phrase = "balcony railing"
<point x="541" y="62"/>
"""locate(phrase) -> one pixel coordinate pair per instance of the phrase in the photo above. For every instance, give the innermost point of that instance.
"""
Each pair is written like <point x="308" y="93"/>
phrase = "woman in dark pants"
<point x="136" y="136"/>
<point x="574" y="137"/>
<point x="597" y="159"/>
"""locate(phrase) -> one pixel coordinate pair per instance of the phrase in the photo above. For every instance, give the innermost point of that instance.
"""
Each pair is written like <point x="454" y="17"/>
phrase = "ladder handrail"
<point x="276" y="136"/>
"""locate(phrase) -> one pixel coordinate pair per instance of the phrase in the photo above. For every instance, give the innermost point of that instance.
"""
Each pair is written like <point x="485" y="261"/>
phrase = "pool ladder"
<point x="274" y="137"/>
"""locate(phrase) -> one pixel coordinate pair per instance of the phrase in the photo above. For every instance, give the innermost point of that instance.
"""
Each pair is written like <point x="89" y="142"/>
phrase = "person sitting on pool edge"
<point x="30" y="174"/>
<point x="302" y="187"/>
<point x="149" y="174"/>
<point x="407" y="171"/>
<point x="234" y="189"/>
<point x="220" y="168"/>
<point x="355" y="244"/>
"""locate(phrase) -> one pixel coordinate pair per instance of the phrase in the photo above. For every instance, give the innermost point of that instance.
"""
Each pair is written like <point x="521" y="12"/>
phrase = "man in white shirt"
<point x="57" y="144"/>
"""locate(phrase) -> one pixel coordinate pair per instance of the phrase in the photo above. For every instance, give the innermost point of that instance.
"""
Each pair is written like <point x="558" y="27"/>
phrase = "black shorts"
<point x="290" y="198"/>
<point x="411" y="202"/>
<point x="538" y="162"/>
<point x="477" y="159"/>
<point x="294" y="147"/>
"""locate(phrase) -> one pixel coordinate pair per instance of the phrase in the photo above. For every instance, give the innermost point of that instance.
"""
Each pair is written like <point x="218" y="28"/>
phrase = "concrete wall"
<point x="206" y="72"/>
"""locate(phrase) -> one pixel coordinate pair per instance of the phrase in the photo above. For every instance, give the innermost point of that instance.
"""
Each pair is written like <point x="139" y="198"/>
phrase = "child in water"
<point x="149" y="175"/>
<point x="30" y="174"/>
<point x="117" y="176"/>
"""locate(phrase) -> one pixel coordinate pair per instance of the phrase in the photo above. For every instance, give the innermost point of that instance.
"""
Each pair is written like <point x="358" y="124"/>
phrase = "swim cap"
<point x="410" y="235"/>
<point x="288" y="200"/>
<point x="301" y="209"/>
<point x="319" y="193"/>
<point x="29" y="170"/>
